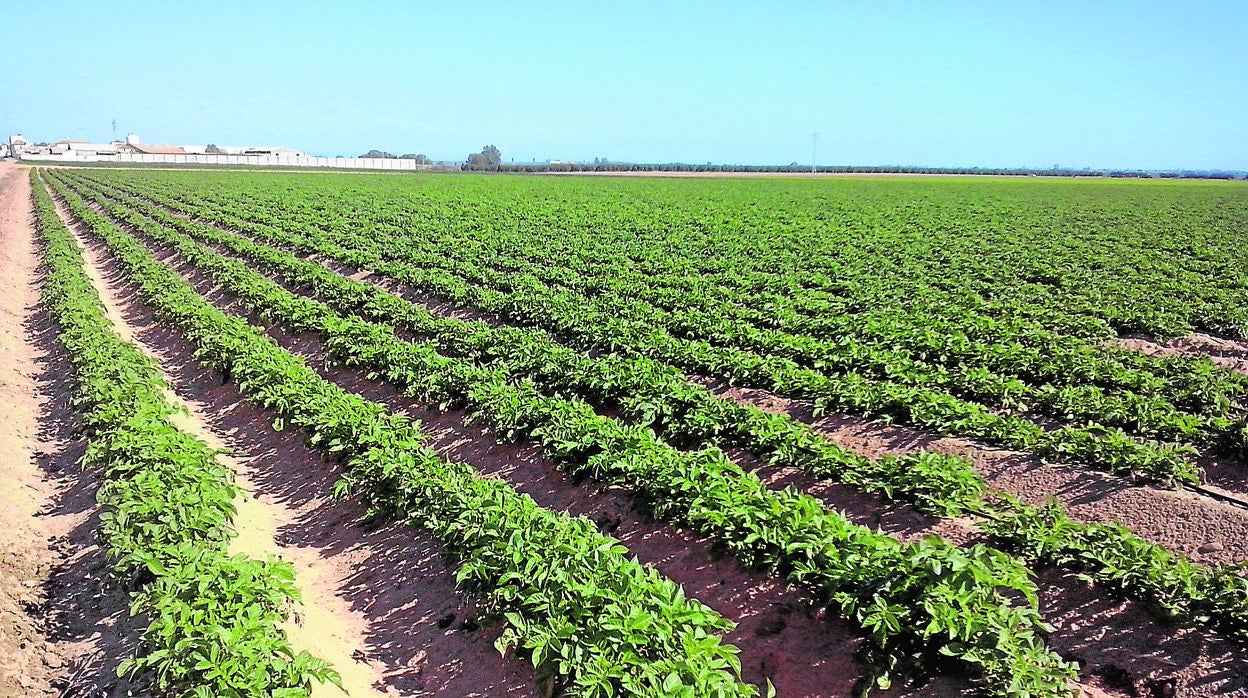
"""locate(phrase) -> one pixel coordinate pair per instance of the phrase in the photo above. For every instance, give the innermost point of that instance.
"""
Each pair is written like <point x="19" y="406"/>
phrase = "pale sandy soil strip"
<point x="357" y="601"/>
<point x="26" y="539"/>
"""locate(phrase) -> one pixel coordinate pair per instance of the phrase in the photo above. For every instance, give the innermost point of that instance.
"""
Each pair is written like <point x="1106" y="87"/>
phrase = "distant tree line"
<point x="421" y="159"/>
<point x="604" y="166"/>
<point x="490" y="159"/>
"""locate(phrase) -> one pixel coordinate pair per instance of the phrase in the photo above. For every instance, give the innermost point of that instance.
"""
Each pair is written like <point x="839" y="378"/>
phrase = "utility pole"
<point x="814" y="147"/>
<point x="114" y="130"/>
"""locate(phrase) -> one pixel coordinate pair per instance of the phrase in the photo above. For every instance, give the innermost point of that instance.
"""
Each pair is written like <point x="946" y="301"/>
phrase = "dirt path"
<point x="29" y="664"/>
<point x="374" y="600"/>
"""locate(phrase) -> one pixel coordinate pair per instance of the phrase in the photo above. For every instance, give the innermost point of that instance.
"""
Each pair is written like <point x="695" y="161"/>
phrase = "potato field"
<point x="595" y="436"/>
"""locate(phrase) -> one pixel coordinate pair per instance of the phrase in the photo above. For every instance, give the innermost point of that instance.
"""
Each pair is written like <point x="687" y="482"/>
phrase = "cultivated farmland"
<point x="697" y="437"/>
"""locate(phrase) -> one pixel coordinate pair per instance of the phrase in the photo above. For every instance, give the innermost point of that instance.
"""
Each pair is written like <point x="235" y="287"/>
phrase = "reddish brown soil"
<point x="1228" y="353"/>
<point x="25" y="546"/>
<point x="1124" y="650"/>
<point x="28" y="663"/>
<point x="1207" y="530"/>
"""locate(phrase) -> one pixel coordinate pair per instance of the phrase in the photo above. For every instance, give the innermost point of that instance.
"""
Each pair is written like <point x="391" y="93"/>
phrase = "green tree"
<point x="489" y="158"/>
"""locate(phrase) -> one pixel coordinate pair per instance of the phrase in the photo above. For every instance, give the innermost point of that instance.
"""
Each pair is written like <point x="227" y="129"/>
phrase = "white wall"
<point x="251" y="160"/>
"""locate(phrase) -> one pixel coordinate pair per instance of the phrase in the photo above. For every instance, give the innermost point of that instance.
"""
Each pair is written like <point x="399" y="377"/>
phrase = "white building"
<point x="17" y="144"/>
<point x="150" y="149"/>
<point x="78" y="148"/>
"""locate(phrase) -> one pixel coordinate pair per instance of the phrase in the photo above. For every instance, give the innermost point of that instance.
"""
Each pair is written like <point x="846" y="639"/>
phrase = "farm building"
<point x="83" y="148"/>
<point x="150" y="149"/>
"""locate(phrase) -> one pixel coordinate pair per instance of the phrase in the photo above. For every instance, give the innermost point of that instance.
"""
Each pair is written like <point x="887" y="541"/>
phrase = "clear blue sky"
<point x="1133" y="84"/>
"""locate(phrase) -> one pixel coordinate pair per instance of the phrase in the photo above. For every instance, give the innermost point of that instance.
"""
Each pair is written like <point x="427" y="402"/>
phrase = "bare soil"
<point x="1227" y="353"/>
<point x="26" y="534"/>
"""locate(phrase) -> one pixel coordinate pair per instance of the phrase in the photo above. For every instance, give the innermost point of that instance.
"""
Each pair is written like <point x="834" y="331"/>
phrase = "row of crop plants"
<point x="688" y="414"/>
<point x="1118" y="557"/>
<point x="594" y="261"/>
<point x="846" y="341"/>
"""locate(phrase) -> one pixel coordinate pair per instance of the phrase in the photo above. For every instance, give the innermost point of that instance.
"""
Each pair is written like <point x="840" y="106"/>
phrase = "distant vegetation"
<point x="490" y="158"/>
<point x="604" y="166"/>
<point x="421" y="159"/>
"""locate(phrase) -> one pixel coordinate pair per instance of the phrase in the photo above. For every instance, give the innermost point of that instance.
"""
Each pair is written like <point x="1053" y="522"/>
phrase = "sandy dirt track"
<point x="29" y="663"/>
